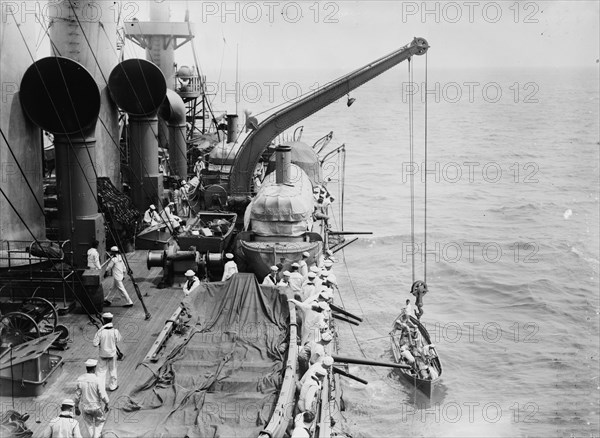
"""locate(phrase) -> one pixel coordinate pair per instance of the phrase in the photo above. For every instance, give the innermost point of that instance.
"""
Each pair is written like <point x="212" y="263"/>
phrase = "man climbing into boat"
<point x="419" y="289"/>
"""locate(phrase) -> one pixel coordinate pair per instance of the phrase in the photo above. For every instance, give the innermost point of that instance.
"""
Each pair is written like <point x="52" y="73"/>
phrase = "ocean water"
<point x="512" y="240"/>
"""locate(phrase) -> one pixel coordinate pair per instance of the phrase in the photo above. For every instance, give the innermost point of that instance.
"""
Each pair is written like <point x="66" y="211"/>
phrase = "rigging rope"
<point x="425" y="185"/>
<point x="412" y="164"/>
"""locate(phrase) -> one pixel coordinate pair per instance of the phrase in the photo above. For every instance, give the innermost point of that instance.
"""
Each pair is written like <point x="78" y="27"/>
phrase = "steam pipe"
<point x="139" y="87"/>
<point x="173" y="112"/>
<point x="61" y="96"/>
<point x="283" y="157"/>
<point x="232" y="128"/>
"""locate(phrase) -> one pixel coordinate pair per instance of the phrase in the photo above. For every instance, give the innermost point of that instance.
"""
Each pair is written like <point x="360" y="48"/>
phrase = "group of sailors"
<point x="309" y="286"/>
<point x="91" y="400"/>
<point x="173" y="222"/>
<point x="413" y="349"/>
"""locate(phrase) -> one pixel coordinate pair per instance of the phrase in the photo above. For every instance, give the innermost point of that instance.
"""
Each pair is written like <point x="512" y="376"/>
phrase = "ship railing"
<point x="286" y="401"/>
<point x="190" y="90"/>
<point x="19" y="253"/>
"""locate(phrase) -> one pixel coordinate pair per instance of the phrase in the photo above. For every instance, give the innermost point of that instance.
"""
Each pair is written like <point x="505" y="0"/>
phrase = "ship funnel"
<point x="173" y="112"/>
<point x="283" y="165"/>
<point x="232" y="128"/>
<point x="139" y="87"/>
<point x="61" y="96"/>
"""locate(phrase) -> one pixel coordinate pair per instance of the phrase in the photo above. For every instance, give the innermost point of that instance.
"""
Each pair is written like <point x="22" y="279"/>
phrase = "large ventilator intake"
<point x="173" y="112"/>
<point x="61" y="96"/>
<point x="139" y="87"/>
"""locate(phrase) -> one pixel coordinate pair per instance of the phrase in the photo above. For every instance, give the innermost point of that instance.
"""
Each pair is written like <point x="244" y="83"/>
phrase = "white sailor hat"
<point x="327" y="361"/>
<point x="91" y="363"/>
<point x="326" y="294"/>
<point x="107" y="315"/>
<point x="229" y="255"/>
<point x="189" y="273"/>
<point x="320" y="371"/>
<point x="312" y="275"/>
<point x="68" y="402"/>
<point x="328" y="263"/>
<point x="114" y="249"/>
<point x="274" y="268"/>
<point x="314" y="269"/>
<point x="286" y="273"/>
<point x="324" y="274"/>
<point x="295" y="265"/>
<point x="152" y="207"/>
<point x="324" y="306"/>
<point x="195" y="233"/>
<point x="326" y="337"/>
<point x="316" y="190"/>
<point x="306" y="254"/>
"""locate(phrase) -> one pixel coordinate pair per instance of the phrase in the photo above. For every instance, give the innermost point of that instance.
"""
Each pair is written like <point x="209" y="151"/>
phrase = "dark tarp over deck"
<point x="219" y="380"/>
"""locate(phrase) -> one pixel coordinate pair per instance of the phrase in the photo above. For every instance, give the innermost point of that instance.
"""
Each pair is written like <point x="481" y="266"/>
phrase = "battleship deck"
<point x="138" y="337"/>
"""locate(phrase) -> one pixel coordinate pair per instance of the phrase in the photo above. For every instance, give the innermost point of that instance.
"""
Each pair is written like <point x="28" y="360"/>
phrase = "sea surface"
<point x="512" y="246"/>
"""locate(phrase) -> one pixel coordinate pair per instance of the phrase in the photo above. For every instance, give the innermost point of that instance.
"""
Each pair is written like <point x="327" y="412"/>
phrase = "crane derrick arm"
<point x="255" y="144"/>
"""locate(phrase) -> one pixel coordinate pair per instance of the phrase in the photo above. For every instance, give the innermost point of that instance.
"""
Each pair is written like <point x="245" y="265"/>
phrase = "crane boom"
<point x="255" y="144"/>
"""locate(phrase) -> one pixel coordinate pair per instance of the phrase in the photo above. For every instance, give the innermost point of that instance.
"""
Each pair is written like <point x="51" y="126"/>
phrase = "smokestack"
<point x="173" y="112"/>
<point x="232" y="127"/>
<point x="61" y="96"/>
<point x="138" y="87"/>
<point x="283" y="167"/>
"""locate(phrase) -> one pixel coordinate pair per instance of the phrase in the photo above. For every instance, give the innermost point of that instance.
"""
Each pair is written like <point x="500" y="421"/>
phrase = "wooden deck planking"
<point x="138" y="336"/>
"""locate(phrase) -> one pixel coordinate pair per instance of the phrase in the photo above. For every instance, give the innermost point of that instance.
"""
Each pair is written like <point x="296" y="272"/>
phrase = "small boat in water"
<point x="411" y="345"/>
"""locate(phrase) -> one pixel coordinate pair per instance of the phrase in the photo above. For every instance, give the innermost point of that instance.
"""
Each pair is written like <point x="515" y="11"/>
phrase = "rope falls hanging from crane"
<point x="418" y="288"/>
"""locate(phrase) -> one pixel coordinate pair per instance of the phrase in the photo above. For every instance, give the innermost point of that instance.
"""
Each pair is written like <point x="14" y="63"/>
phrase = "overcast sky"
<point x="470" y="34"/>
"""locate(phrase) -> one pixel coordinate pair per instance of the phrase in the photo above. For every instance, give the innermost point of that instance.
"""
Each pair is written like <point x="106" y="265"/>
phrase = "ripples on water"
<point x="516" y="319"/>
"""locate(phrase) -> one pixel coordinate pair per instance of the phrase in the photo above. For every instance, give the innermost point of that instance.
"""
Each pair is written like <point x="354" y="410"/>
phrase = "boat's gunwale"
<point x="285" y="403"/>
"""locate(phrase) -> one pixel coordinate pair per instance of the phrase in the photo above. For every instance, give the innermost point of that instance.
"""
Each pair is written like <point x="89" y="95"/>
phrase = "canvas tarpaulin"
<point x="222" y="377"/>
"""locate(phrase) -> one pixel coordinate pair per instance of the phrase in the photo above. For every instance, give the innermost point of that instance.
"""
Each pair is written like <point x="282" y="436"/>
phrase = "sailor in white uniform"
<point x="63" y="426"/>
<point x="192" y="283"/>
<point x="328" y="263"/>
<point x="303" y="265"/>
<point x="296" y="279"/>
<point x="310" y="390"/>
<point x="271" y="279"/>
<point x="151" y="216"/>
<point x="117" y="265"/>
<point x="106" y="340"/>
<point x="230" y="267"/>
<point x="91" y="401"/>
<point x="93" y="257"/>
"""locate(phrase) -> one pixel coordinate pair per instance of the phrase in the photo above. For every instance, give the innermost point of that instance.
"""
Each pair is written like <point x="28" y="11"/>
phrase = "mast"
<point x="161" y="37"/>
